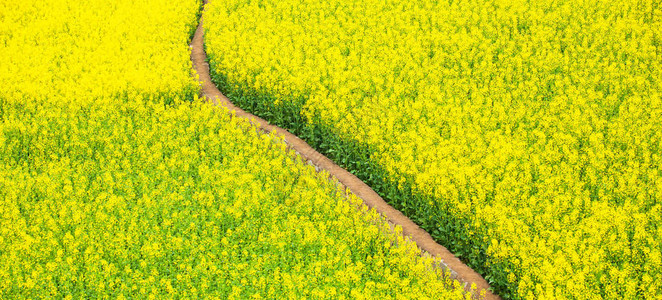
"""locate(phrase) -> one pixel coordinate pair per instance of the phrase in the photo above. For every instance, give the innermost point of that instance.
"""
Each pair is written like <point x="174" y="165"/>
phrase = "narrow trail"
<point x="463" y="273"/>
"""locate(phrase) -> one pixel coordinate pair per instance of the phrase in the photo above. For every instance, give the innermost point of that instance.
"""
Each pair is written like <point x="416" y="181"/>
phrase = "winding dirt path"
<point x="458" y="269"/>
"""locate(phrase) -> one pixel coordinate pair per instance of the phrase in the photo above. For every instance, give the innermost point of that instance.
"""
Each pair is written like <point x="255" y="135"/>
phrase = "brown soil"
<point x="457" y="268"/>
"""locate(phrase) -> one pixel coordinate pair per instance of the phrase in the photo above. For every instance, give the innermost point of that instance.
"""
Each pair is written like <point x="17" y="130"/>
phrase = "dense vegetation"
<point x="116" y="181"/>
<point x="523" y="135"/>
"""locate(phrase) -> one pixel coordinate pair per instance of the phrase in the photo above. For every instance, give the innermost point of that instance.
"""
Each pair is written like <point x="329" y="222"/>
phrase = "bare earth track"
<point x="459" y="270"/>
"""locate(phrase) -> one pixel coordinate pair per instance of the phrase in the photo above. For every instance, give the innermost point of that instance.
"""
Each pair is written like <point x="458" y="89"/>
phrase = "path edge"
<point x="459" y="271"/>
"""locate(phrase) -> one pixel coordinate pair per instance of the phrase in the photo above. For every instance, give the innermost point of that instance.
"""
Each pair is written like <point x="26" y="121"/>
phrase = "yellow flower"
<point x="531" y="123"/>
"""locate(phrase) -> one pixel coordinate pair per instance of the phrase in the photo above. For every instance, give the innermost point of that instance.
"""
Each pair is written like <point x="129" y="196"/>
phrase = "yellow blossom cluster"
<point x="524" y="135"/>
<point x="116" y="181"/>
<point x="66" y="49"/>
<point x="137" y="199"/>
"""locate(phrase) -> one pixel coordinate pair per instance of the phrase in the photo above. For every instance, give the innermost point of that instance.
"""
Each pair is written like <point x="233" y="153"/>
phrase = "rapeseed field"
<point x="116" y="181"/>
<point x="523" y="135"/>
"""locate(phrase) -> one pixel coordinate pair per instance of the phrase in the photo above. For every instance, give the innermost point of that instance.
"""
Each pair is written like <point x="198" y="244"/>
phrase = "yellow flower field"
<point x="134" y="199"/>
<point x="87" y="49"/>
<point x="525" y="136"/>
<point x="116" y="181"/>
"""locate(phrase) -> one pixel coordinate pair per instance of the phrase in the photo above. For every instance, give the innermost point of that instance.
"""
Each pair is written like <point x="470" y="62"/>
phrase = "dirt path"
<point x="459" y="270"/>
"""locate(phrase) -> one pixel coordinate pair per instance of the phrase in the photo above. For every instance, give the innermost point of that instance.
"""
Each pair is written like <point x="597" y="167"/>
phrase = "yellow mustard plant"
<point x="524" y="135"/>
<point x="92" y="48"/>
<point x="137" y="199"/>
<point x="116" y="181"/>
